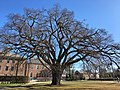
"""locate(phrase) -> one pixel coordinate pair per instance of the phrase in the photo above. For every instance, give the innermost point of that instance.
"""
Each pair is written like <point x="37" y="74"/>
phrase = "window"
<point x="31" y="66"/>
<point x="0" y="60"/>
<point x="7" y="61"/>
<point x="30" y="74"/>
<point x="12" y="68"/>
<point x="6" y="68"/>
<point x="37" y="67"/>
<point x="42" y="74"/>
<point x="37" y="75"/>
<point x="46" y="74"/>
<point x="13" y="61"/>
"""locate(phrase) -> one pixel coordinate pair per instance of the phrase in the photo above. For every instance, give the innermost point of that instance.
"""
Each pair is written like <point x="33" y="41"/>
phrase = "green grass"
<point x="67" y="85"/>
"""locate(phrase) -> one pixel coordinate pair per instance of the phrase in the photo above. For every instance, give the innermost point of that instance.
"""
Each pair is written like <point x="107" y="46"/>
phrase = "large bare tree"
<point x="57" y="39"/>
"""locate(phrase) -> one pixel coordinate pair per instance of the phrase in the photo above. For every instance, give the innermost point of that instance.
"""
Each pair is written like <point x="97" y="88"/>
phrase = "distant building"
<point x="85" y="75"/>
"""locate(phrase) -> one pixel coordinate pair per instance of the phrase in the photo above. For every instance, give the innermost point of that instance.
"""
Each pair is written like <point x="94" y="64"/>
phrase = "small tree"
<point x="56" y="39"/>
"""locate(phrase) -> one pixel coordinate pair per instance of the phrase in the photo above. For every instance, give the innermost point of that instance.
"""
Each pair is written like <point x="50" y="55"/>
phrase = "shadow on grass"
<point x="44" y="87"/>
<point x="66" y="86"/>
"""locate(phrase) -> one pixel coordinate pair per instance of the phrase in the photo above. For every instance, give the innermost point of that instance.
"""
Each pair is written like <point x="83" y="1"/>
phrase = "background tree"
<point x="57" y="39"/>
<point x="70" y="72"/>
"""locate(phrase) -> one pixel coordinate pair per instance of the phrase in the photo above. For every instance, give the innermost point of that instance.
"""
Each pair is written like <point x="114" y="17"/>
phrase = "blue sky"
<point x="97" y="13"/>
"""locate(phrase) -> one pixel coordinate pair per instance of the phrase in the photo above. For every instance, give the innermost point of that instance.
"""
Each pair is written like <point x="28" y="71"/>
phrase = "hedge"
<point x="14" y="79"/>
<point x="42" y="79"/>
<point x="104" y="79"/>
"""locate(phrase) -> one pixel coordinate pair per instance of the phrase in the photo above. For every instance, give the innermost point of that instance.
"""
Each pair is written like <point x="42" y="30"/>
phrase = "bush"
<point x="70" y="79"/>
<point x="14" y="79"/>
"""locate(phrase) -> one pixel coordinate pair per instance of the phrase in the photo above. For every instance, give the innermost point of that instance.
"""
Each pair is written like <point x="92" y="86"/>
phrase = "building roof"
<point x="34" y="61"/>
<point x="9" y="56"/>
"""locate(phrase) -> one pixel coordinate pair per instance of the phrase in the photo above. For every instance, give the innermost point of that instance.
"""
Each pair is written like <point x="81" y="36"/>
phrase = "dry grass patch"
<point x="71" y="85"/>
<point x="78" y="85"/>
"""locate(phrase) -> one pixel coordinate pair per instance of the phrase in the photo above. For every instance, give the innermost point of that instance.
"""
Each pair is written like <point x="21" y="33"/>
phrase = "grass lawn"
<point x="66" y="85"/>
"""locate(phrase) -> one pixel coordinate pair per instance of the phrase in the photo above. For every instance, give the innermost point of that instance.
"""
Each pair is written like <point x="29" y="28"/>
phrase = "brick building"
<point x="12" y="65"/>
<point x="36" y="68"/>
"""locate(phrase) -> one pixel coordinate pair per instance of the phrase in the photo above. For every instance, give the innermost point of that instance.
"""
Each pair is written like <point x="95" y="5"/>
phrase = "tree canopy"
<point x="57" y="39"/>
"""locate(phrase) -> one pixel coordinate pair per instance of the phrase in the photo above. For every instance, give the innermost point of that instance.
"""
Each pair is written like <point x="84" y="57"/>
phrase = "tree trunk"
<point x="17" y="69"/>
<point x="57" y="71"/>
<point x="25" y="69"/>
<point x="56" y="77"/>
